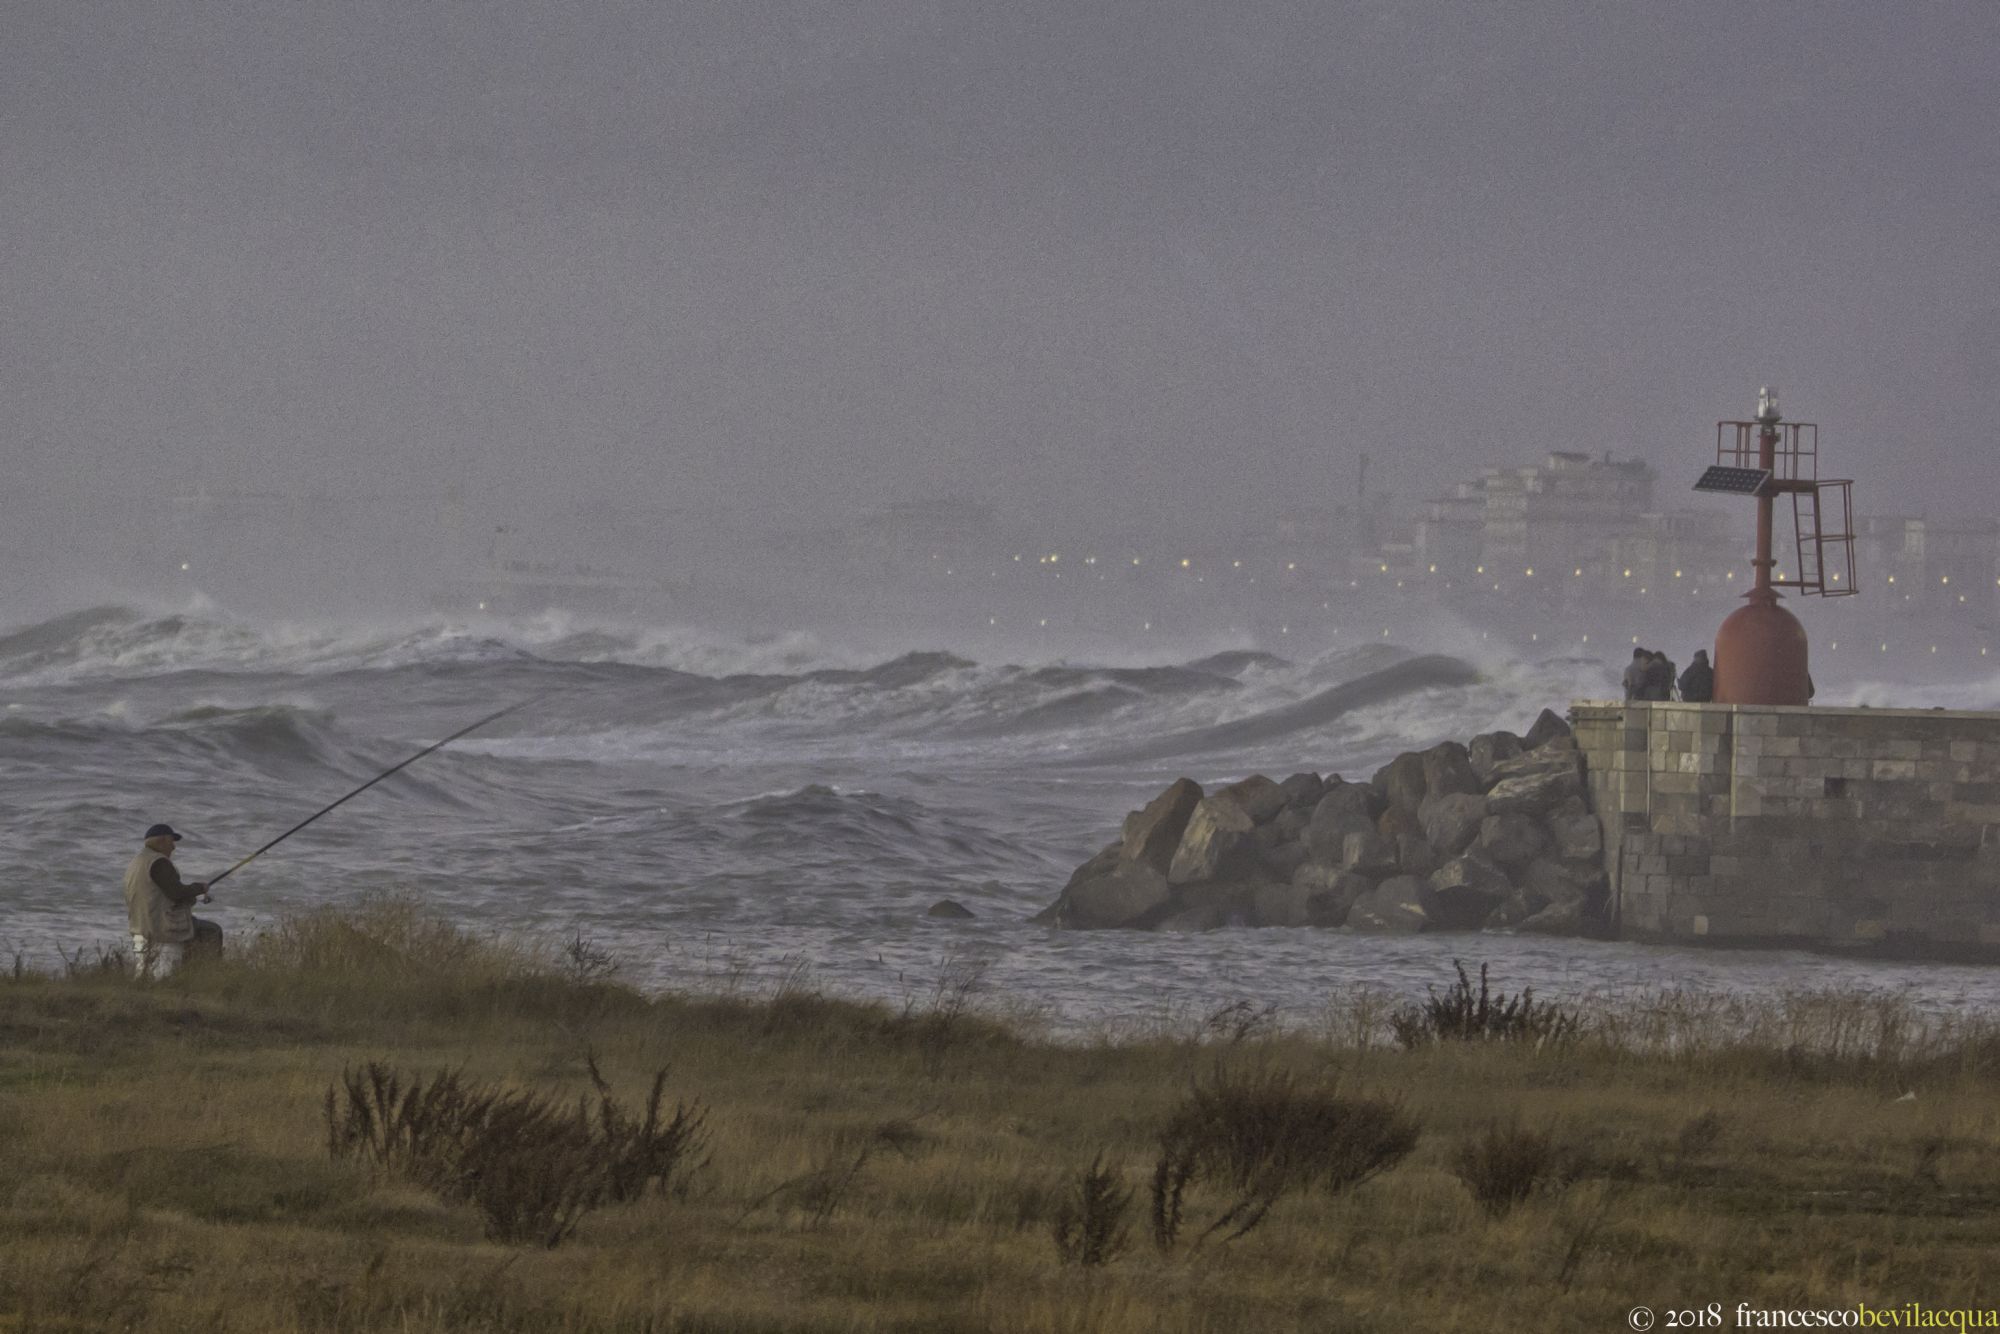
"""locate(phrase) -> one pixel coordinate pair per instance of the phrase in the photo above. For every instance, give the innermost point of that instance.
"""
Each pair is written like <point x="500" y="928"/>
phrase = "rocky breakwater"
<point x="1493" y="833"/>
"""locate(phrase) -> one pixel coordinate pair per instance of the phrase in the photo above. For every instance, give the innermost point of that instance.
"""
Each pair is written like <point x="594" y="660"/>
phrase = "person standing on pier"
<point x="1698" y="681"/>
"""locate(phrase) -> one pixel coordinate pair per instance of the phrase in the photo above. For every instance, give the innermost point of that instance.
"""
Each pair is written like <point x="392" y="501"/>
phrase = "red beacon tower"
<point x="1760" y="648"/>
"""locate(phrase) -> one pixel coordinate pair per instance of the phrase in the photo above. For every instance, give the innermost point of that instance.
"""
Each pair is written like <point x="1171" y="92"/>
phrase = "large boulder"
<point x="1451" y="822"/>
<point x="1548" y="726"/>
<point x="1559" y="755"/>
<point x="1545" y="882"/>
<point x="1122" y="895"/>
<point x="1415" y="855"/>
<point x="1343" y="798"/>
<point x="1195" y="917"/>
<point x="1462" y="894"/>
<point x="1310" y="901"/>
<point x="1532" y="794"/>
<point x="1509" y="839"/>
<point x="1394" y="906"/>
<point x="1401" y="782"/>
<point x="1396" y="823"/>
<point x="1215" y="832"/>
<point x="1292" y="821"/>
<point x="1369" y="853"/>
<point x="1576" y="838"/>
<point x="1259" y="797"/>
<point x="1276" y="855"/>
<point x="1329" y="892"/>
<point x="1488" y="749"/>
<point x="1280" y="905"/>
<point x="1558" y="919"/>
<point x="1342" y="811"/>
<point x="1151" y="835"/>
<point x="1302" y="792"/>
<point x="1448" y="771"/>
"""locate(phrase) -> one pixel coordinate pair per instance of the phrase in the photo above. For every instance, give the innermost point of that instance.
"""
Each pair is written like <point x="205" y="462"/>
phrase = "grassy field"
<point x="165" y="1160"/>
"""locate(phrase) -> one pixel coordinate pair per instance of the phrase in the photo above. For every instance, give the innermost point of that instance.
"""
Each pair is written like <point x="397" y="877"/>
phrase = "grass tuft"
<point x="1089" y="1227"/>
<point x="1461" y="1014"/>
<point x="1262" y="1137"/>
<point x="1504" y="1166"/>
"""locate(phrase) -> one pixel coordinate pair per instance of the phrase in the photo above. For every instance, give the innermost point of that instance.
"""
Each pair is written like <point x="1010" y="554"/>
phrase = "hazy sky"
<point x="784" y="259"/>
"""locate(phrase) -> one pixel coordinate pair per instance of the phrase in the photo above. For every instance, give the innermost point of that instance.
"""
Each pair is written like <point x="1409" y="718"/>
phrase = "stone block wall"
<point x="1828" y="828"/>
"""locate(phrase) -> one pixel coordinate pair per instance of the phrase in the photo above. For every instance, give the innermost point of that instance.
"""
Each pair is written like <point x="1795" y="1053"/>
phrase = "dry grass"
<point x="164" y="1165"/>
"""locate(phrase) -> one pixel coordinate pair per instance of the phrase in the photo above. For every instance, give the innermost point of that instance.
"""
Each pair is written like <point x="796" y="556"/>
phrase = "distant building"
<point x="1571" y="508"/>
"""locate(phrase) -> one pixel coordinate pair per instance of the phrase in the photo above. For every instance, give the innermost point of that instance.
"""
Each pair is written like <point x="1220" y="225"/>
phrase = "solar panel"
<point x="1733" y="481"/>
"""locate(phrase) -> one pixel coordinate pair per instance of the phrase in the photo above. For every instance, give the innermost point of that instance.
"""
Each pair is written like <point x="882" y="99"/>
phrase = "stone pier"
<point x="1752" y="825"/>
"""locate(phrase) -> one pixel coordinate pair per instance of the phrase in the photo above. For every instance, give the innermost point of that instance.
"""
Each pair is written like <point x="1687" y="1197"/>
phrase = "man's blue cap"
<point x="163" y="831"/>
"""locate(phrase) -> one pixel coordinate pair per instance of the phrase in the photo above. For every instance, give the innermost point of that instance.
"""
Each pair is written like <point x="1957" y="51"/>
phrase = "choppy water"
<point x="724" y="813"/>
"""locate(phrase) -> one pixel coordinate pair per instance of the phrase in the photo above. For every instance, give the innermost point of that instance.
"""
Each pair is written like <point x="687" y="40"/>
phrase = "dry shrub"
<point x="1505" y="1166"/>
<point x="1089" y="1227"/>
<point x="1264" y="1136"/>
<point x="531" y="1164"/>
<point x="1463" y="1015"/>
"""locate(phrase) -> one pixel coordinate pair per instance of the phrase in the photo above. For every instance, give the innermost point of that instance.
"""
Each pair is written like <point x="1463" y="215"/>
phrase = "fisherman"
<point x="1698" y="681"/>
<point x="1636" y="673"/>
<point x="160" y="908"/>
<point x="1660" y="677"/>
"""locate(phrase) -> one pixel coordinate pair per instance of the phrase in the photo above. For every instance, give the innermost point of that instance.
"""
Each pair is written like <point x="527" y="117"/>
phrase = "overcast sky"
<point x="782" y="260"/>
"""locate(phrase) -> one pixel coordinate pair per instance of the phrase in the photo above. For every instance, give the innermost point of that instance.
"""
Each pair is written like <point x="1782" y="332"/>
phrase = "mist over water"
<point x="724" y="811"/>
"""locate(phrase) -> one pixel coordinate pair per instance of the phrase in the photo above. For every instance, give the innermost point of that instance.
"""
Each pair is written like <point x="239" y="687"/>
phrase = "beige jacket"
<point x="151" y="912"/>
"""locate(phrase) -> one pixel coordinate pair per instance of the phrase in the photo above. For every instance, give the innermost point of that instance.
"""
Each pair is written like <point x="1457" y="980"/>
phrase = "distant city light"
<point x="1291" y="565"/>
<point x="1236" y="565"/>
<point x="1892" y="578"/>
<point x="1531" y="572"/>
<point x="1628" y="575"/>
<point x="1184" y="562"/>
<point x="1385" y="569"/>
<point x="184" y="565"/>
<point x="1579" y="569"/>
<point x="1434" y="569"/>
<point x="1677" y="574"/>
<point x="1944" y="578"/>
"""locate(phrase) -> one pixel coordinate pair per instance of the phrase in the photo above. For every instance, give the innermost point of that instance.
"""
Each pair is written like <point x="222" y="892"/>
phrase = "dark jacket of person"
<point x="1660" y="678"/>
<point x="1698" y="681"/>
<point x="1635" y="675"/>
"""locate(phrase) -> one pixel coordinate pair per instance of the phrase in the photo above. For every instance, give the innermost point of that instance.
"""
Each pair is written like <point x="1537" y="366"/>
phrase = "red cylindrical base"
<point x="1760" y="654"/>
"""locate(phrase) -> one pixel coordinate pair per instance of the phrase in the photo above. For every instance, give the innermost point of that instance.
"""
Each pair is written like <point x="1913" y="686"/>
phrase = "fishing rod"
<point x="491" y="717"/>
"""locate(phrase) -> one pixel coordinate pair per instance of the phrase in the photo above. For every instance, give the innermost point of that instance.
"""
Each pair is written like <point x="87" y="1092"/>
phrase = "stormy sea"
<point x="753" y="813"/>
